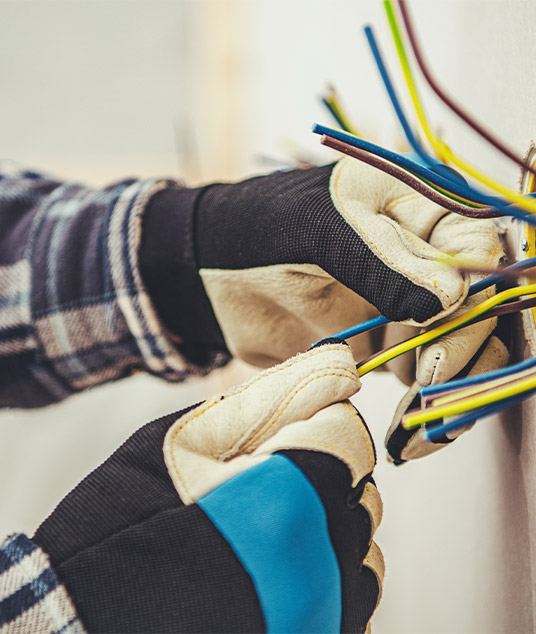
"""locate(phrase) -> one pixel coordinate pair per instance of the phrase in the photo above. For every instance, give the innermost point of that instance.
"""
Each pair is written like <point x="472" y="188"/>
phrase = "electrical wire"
<point x="414" y="142"/>
<point x="476" y="287"/>
<point x="457" y="109"/>
<point x="486" y="389"/>
<point x="497" y="311"/>
<point x="512" y="389"/>
<point x="452" y="397"/>
<point x="438" y="388"/>
<point x="502" y="274"/>
<point x="432" y="177"/>
<point x="466" y="389"/>
<point x="378" y="359"/>
<point x="420" y="185"/>
<point x="412" y="139"/>
<point x="366" y="326"/>
<point x="435" y="141"/>
<point x="332" y="103"/>
<point x="444" y="170"/>
<point x="439" y="432"/>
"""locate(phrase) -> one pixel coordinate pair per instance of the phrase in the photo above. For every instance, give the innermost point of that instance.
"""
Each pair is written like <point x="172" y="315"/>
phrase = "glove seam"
<point x="143" y="520"/>
<point x="243" y="388"/>
<point x="256" y="440"/>
<point x="371" y="502"/>
<point x="186" y="489"/>
<point x="196" y="413"/>
<point x="403" y="198"/>
<point x="327" y="445"/>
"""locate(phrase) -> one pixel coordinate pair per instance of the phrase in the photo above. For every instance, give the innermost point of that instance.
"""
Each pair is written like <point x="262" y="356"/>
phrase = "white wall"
<point x="96" y="91"/>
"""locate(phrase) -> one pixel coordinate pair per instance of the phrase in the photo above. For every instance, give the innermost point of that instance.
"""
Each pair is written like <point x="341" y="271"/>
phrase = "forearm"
<point x="75" y="310"/>
<point x="32" y="598"/>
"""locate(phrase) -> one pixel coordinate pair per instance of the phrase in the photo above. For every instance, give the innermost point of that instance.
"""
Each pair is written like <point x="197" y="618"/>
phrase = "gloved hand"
<point x="289" y="258"/>
<point x="253" y="511"/>
<point x="437" y="362"/>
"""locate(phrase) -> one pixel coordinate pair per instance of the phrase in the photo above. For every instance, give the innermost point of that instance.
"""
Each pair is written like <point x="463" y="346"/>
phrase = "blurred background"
<point x="221" y="89"/>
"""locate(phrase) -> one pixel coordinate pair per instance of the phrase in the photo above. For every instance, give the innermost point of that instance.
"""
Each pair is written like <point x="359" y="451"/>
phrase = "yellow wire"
<point x="333" y="100"/>
<point x="477" y="389"/>
<point x="441" y="148"/>
<point x="410" y="421"/>
<point x="443" y="329"/>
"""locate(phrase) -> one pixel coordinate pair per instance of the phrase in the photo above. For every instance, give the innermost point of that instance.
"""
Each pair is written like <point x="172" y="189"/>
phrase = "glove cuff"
<point x="170" y="272"/>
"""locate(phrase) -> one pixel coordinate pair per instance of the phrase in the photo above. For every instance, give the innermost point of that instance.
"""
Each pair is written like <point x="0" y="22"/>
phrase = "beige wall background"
<point x="200" y="90"/>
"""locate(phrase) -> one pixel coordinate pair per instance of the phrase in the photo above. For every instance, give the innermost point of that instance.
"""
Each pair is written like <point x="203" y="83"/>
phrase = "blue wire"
<point x="433" y="164"/>
<point x="474" y="288"/>
<point x="365" y="326"/>
<point x="334" y="113"/>
<point x="478" y="378"/>
<point x="528" y="263"/>
<point x="433" y="177"/>
<point x="470" y="192"/>
<point x="434" y="434"/>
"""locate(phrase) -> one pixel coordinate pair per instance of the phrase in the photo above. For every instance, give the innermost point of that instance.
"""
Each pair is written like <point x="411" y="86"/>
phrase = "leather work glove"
<point x="437" y="362"/>
<point x="251" y="512"/>
<point x="283" y="260"/>
<point x="289" y="258"/>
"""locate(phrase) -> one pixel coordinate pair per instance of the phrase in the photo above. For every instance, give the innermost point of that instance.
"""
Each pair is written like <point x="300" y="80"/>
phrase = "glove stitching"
<point x="419" y="280"/>
<point x="432" y="252"/>
<point x="185" y="487"/>
<point x="139" y="522"/>
<point x="256" y="439"/>
<point x="403" y="198"/>
<point x="243" y="388"/>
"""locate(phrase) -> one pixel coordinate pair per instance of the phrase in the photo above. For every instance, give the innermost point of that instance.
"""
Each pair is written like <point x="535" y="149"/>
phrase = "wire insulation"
<point x="332" y="103"/>
<point x="513" y="389"/>
<point x="435" y="141"/>
<point x="476" y="287"/>
<point x="456" y="108"/>
<point x="378" y="359"/>
<point x="439" y="433"/>
<point x="432" y="177"/>
<point x="419" y="185"/>
<point x="431" y="390"/>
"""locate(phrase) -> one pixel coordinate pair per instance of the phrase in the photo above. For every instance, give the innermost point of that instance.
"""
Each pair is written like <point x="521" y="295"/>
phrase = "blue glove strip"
<point x="274" y="520"/>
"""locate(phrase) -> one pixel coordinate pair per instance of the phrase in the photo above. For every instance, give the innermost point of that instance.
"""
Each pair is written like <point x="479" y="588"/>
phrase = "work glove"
<point x="251" y="512"/>
<point x="289" y="258"/>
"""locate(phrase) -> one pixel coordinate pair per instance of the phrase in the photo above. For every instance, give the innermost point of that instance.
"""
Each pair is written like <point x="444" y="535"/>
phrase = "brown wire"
<point x="499" y="145"/>
<point x="409" y="179"/>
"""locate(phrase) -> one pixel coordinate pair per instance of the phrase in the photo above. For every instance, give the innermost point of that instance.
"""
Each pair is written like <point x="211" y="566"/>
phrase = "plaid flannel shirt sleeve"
<point x="74" y="312"/>
<point x="32" y="599"/>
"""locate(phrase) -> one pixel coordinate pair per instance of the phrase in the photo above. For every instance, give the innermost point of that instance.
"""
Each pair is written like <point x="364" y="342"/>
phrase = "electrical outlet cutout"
<point x="527" y="248"/>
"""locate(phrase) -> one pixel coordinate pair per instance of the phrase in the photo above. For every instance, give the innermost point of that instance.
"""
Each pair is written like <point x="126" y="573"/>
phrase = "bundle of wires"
<point x="428" y="175"/>
<point x="473" y="403"/>
<point x="457" y="404"/>
<point x="451" y="406"/>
